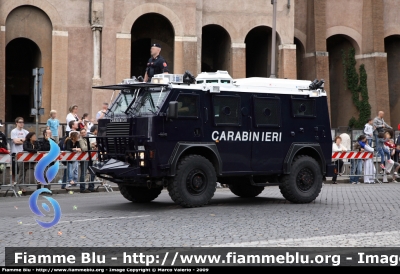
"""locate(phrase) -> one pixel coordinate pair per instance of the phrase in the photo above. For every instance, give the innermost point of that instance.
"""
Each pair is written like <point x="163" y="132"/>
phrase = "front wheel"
<point x="139" y="194"/>
<point x="304" y="182"/>
<point x="195" y="182"/>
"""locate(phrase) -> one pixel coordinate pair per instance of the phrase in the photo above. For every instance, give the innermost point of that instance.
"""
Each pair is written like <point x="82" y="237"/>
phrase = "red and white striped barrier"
<point x="64" y="156"/>
<point x="77" y="156"/>
<point x="352" y="155"/>
<point x="5" y="158"/>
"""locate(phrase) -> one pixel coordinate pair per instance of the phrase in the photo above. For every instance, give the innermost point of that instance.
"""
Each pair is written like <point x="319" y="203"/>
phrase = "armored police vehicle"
<point x="187" y="134"/>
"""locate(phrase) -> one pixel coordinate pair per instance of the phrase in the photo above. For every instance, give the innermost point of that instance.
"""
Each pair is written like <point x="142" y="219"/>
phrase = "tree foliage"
<point x="357" y="84"/>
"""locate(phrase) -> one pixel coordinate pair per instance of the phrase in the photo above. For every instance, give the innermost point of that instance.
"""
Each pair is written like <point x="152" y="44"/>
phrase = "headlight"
<point x="141" y="155"/>
<point x="141" y="163"/>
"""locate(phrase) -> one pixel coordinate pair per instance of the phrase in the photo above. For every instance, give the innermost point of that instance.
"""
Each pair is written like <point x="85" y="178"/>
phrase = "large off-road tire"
<point x="195" y="182"/>
<point x="304" y="182"/>
<point x="138" y="194"/>
<point x="245" y="190"/>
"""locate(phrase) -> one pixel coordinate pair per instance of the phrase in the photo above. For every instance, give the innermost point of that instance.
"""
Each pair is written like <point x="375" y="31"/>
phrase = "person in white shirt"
<point x="72" y="116"/>
<point x="338" y="147"/>
<point x="18" y="135"/>
<point x="369" y="168"/>
<point x="369" y="131"/>
<point x="102" y="112"/>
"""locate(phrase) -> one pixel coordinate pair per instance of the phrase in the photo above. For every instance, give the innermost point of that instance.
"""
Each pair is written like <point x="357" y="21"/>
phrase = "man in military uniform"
<point x="156" y="64"/>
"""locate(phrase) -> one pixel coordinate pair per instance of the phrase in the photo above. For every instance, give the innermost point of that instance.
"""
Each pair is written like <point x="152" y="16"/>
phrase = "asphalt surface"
<point x="342" y="215"/>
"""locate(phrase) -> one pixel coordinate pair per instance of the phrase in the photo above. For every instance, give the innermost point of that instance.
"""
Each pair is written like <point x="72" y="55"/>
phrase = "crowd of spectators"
<point x="378" y="137"/>
<point x="74" y="140"/>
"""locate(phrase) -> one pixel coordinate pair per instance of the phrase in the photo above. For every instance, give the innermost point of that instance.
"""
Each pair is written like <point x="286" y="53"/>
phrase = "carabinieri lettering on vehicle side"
<point x="247" y="136"/>
<point x="186" y="134"/>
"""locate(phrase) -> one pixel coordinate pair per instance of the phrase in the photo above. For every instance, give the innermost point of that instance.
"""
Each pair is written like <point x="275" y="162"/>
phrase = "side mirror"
<point x="172" y="112"/>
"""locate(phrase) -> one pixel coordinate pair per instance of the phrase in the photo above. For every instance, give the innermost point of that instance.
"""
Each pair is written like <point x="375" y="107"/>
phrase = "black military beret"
<point x="156" y="45"/>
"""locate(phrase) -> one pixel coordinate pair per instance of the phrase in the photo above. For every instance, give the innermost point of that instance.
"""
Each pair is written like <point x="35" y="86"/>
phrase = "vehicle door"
<point x="267" y="144"/>
<point x="188" y="126"/>
<point x="229" y="129"/>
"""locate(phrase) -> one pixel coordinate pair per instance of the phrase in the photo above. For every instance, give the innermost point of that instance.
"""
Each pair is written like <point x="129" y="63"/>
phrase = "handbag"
<point x="381" y="129"/>
<point x="4" y="151"/>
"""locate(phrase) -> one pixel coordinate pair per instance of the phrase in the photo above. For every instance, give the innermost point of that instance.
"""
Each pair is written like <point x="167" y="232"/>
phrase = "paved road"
<point x="343" y="215"/>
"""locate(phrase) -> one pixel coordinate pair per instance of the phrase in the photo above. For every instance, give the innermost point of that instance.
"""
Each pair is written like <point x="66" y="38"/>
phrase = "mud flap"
<point x="330" y="170"/>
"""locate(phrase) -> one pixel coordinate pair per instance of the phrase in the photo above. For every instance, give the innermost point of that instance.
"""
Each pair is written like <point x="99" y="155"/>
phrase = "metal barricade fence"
<point x="350" y="157"/>
<point x="26" y="162"/>
<point x="5" y="161"/>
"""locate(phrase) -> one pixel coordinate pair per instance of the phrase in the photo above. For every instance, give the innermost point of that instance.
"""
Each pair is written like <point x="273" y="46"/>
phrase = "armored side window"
<point x="303" y="107"/>
<point x="226" y="110"/>
<point x="267" y="111"/>
<point x="188" y="105"/>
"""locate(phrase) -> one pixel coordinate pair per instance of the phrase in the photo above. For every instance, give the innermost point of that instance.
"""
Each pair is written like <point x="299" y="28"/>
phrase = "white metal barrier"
<point x="5" y="161"/>
<point x="27" y="161"/>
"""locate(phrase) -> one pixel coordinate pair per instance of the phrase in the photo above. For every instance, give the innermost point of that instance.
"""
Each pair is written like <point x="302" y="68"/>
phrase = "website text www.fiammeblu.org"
<point x="230" y="258"/>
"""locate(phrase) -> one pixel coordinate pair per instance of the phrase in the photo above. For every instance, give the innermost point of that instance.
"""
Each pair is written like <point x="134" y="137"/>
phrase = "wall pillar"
<point x="98" y="96"/>
<point x="287" y="61"/>
<point x="185" y="55"/>
<point x="178" y="56"/>
<point x="316" y="59"/>
<point x="96" y="52"/>
<point x="317" y="64"/>
<point x="59" y="75"/>
<point x="123" y="57"/>
<point x="238" y="58"/>
<point x="3" y="74"/>
<point x="199" y="30"/>
<point x="374" y="58"/>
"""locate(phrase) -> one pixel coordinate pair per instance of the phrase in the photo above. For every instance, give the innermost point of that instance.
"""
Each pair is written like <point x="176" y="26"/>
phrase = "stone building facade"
<point x="84" y="43"/>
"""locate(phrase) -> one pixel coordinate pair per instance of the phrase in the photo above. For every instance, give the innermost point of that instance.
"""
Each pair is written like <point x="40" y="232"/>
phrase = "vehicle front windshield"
<point x="122" y="103"/>
<point x="149" y="101"/>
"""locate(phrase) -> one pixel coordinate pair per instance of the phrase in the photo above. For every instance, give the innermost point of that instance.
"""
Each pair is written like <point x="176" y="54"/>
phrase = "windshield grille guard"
<point x="116" y="147"/>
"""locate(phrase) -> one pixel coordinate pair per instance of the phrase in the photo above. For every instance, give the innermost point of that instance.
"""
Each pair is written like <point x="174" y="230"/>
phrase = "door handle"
<point x="205" y="115"/>
<point x="196" y="132"/>
<point x="251" y="123"/>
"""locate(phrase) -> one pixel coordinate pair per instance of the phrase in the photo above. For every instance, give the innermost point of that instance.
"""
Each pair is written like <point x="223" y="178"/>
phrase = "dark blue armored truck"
<point x="187" y="134"/>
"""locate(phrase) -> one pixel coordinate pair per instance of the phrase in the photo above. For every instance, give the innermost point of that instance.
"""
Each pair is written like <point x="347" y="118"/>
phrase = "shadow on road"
<point x="160" y="205"/>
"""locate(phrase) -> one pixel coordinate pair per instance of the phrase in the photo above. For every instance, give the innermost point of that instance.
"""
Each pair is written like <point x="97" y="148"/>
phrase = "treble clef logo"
<point x="45" y="171"/>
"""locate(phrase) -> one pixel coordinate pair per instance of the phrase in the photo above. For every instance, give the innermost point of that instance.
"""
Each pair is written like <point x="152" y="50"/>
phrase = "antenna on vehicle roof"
<point x="321" y="83"/>
<point x="188" y="78"/>
<point x="313" y="85"/>
<point x="317" y="84"/>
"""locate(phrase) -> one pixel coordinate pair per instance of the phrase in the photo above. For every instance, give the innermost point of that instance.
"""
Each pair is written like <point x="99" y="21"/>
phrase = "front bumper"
<point x="116" y="169"/>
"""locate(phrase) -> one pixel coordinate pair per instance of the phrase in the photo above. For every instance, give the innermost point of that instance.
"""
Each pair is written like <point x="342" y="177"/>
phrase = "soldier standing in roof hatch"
<point x="156" y="64"/>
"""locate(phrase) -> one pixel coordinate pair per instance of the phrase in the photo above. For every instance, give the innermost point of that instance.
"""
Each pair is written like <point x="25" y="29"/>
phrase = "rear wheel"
<point x="195" y="182"/>
<point x="138" y="194"/>
<point x="304" y="182"/>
